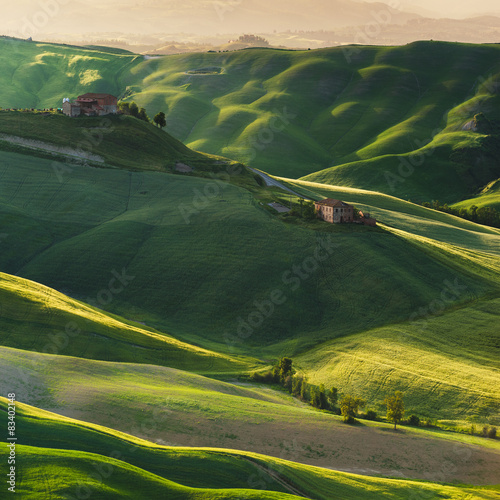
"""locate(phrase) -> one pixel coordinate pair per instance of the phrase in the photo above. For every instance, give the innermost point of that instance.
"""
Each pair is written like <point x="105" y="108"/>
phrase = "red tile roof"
<point x="331" y="202"/>
<point x="93" y="96"/>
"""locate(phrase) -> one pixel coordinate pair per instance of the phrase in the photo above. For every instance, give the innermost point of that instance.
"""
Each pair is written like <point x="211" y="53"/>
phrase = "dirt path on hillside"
<point x="52" y="148"/>
<point x="278" y="478"/>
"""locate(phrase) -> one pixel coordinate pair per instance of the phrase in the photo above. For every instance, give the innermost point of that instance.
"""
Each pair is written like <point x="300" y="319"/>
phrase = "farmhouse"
<point x="334" y="211"/>
<point x="91" y="105"/>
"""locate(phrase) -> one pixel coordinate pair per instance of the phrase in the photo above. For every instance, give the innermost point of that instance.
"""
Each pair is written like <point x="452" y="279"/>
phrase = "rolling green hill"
<point x="195" y="281"/>
<point x="198" y="258"/>
<point x="400" y="120"/>
<point x="124" y="279"/>
<point x="488" y="197"/>
<point x="111" y="141"/>
<point x="166" y="405"/>
<point x="61" y="455"/>
<point x="41" y="75"/>
<point x="37" y="318"/>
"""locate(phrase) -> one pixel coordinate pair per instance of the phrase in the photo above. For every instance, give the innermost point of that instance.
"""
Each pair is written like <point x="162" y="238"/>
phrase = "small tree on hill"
<point x="349" y="406"/>
<point x="124" y="107"/>
<point x="395" y="408"/>
<point x="285" y="368"/>
<point x="143" y="115"/>
<point x="131" y="109"/>
<point x="160" y="119"/>
<point x="134" y="109"/>
<point x="297" y="385"/>
<point x="318" y="397"/>
<point x="304" y="391"/>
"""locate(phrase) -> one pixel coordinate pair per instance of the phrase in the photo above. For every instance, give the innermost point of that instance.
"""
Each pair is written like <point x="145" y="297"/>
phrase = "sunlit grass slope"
<point x="38" y="318"/>
<point x="197" y="256"/>
<point x="367" y="111"/>
<point x="41" y="75"/>
<point x="169" y="406"/>
<point x="57" y="474"/>
<point x="399" y="120"/>
<point x="409" y="217"/>
<point x="446" y="364"/>
<point x="488" y="197"/>
<point x="56" y="461"/>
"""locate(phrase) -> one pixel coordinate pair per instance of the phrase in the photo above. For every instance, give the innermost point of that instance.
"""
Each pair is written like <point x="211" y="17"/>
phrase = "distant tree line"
<point x="487" y="216"/>
<point x="253" y="40"/>
<point x="347" y="405"/>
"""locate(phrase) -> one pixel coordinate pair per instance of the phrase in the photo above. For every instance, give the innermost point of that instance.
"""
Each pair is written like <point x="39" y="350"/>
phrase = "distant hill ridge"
<point x="389" y="119"/>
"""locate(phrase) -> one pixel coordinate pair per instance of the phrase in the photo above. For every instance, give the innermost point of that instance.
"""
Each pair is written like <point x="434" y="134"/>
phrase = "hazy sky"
<point x="206" y="17"/>
<point x="450" y="8"/>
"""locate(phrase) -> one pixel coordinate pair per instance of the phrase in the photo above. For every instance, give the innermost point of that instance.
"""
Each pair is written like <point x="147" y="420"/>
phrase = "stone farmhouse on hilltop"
<point x="91" y="105"/>
<point x="334" y="211"/>
<point x="338" y="212"/>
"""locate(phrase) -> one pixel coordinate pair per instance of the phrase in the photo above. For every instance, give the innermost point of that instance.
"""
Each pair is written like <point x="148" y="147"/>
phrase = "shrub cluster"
<point x="487" y="216"/>
<point x="131" y="109"/>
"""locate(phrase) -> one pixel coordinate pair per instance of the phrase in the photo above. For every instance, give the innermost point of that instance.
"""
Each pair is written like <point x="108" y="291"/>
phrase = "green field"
<point x="139" y="297"/>
<point x="392" y="119"/>
<point x="189" y="279"/>
<point x="174" y="407"/>
<point x="115" y="465"/>
<point x="194" y="282"/>
<point x="38" y="318"/>
<point x="488" y="197"/>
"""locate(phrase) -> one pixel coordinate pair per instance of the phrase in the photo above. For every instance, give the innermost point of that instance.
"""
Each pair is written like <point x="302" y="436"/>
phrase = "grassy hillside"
<point x="119" y="141"/>
<point x="488" y="197"/>
<point x="38" y="318"/>
<point x="170" y="406"/>
<point x="400" y="120"/>
<point x="363" y="110"/>
<point x="41" y="75"/>
<point x="199" y="257"/>
<point x="147" y="271"/>
<point x="54" y="474"/>
<point x="405" y="214"/>
<point x="446" y="364"/>
<point x="64" y="446"/>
